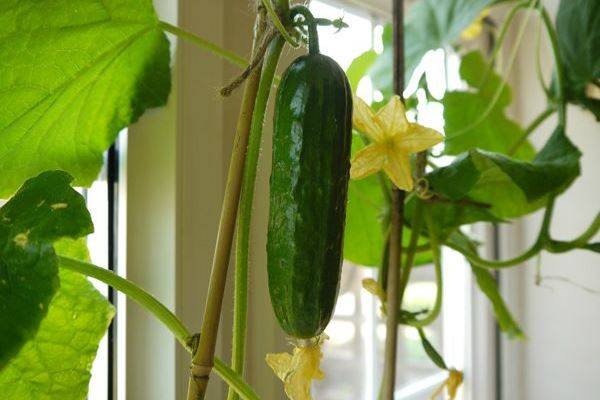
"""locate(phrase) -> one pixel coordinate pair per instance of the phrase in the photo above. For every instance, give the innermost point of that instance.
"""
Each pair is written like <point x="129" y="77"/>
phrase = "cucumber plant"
<point x="73" y="74"/>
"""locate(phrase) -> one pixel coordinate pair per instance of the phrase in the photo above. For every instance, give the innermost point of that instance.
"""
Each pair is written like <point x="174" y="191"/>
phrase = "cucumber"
<point x="308" y="193"/>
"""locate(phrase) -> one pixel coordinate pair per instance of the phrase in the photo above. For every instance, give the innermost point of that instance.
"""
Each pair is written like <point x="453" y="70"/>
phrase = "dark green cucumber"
<point x="308" y="193"/>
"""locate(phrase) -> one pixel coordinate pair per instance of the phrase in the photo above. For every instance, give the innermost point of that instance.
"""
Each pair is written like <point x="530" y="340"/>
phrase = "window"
<point x="353" y="355"/>
<point x="102" y="202"/>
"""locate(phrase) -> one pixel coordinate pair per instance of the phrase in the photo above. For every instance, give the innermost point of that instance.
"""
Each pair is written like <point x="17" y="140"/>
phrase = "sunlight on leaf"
<point x="70" y="81"/>
<point x="57" y="363"/>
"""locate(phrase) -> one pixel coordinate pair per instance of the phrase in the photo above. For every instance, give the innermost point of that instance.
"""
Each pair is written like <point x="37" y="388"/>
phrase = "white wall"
<point x="561" y="357"/>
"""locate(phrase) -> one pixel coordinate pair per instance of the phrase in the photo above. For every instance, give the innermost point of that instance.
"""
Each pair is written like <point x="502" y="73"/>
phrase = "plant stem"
<point x="560" y="76"/>
<point x="234" y="381"/>
<point x="557" y="246"/>
<point x="392" y="294"/>
<point x="502" y="35"/>
<point x="202" y="361"/>
<point x="278" y="24"/>
<point x="204" y="44"/>
<point x="435" y="252"/>
<point x="162" y="313"/>
<point x="411" y="251"/>
<point x="397" y="220"/>
<point x="313" y="35"/>
<point x="240" y="307"/>
<point x="542" y="240"/>
<point x="530" y="128"/>
<point x="134" y="292"/>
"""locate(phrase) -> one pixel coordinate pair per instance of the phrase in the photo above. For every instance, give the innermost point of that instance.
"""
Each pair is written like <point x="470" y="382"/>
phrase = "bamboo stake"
<point x="203" y="359"/>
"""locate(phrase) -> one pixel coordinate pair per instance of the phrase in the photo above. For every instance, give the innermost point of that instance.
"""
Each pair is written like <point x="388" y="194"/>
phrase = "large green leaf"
<point x="510" y="187"/>
<point x="73" y="74"/>
<point x="56" y="364"/>
<point x="430" y="25"/>
<point x="45" y="209"/>
<point x="577" y="26"/>
<point x="465" y="126"/>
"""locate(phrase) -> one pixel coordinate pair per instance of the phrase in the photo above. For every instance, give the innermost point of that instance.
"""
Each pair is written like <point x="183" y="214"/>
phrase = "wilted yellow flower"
<point x="297" y="370"/>
<point x="474" y="30"/>
<point x="393" y="139"/>
<point x="451" y="384"/>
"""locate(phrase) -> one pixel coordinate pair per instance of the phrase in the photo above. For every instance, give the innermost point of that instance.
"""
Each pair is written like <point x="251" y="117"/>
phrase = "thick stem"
<point x="392" y="294"/>
<point x="162" y="313"/>
<point x="397" y="219"/>
<point x="530" y="128"/>
<point x="202" y="361"/>
<point x="240" y="307"/>
<point x="134" y="292"/>
<point x="204" y="44"/>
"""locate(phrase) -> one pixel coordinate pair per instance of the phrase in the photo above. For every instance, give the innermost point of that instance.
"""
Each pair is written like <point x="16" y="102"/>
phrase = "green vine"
<point x="240" y="310"/>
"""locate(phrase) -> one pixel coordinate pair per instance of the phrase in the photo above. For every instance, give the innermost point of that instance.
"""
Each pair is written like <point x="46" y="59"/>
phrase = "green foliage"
<point x="511" y="188"/>
<point x="359" y="67"/>
<point x="467" y="124"/>
<point x="56" y="364"/>
<point x="487" y="284"/>
<point x="51" y="322"/>
<point x="577" y="26"/>
<point x="70" y="81"/>
<point x="44" y="210"/>
<point x="431" y="352"/>
<point x="430" y="25"/>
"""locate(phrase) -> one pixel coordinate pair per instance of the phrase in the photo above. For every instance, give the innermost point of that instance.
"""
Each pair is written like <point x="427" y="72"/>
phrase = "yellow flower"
<point x="474" y="30"/>
<point x="298" y="370"/>
<point x="393" y="139"/>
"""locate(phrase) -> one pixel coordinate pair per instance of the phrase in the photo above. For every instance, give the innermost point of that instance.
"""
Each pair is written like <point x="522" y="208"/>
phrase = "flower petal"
<point x="392" y="118"/>
<point x="397" y="169"/>
<point x="418" y="138"/>
<point x="367" y="161"/>
<point x="363" y="120"/>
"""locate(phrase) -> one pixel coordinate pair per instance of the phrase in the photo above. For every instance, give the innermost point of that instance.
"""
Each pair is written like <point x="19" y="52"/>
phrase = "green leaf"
<point x="45" y="209"/>
<point x="56" y="364"/>
<point x="449" y="216"/>
<point x="487" y="285"/>
<point x="511" y="187"/>
<point x="359" y="67"/>
<point x="430" y="25"/>
<point x="365" y="213"/>
<point x="577" y="26"/>
<point x="464" y="110"/>
<point x="431" y="351"/>
<point x="73" y="74"/>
